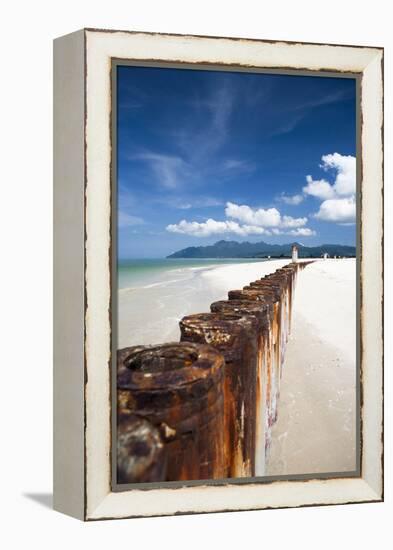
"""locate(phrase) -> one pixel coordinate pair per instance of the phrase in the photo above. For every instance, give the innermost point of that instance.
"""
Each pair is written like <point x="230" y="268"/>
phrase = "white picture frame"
<point x="82" y="334"/>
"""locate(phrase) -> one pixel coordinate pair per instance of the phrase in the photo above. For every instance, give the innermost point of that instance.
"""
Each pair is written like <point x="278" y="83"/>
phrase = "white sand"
<point x="235" y="276"/>
<point x="316" y="427"/>
<point x="151" y="314"/>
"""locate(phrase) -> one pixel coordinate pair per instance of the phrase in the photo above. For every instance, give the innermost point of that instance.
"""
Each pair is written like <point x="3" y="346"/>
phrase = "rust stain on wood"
<point x="235" y="336"/>
<point x="203" y="408"/>
<point x="178" y="389"/>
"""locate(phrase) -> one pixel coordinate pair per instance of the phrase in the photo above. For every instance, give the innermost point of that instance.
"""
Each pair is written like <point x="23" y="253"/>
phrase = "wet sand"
<point x="150" y="314"/>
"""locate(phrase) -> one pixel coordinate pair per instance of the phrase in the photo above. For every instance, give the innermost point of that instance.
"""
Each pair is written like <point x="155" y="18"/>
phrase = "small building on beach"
<point x="294" y="253"/>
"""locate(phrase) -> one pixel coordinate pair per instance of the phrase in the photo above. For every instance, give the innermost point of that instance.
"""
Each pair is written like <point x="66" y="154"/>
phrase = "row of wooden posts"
<point x="203" y="408"/>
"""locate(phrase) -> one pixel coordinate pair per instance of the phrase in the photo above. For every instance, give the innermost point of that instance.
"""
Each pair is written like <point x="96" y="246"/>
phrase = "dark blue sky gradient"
<point x="189" y="141"/>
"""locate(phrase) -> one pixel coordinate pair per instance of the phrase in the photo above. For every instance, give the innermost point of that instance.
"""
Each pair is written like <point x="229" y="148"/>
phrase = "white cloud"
<point x="291" y="199"/>
<point x="299" y="231"/>
<point x="339" y="205"/>
<point x="345" y="166"/>
<point x="318" y="188"/>
<point x="252" y="222"/>
<point x="338" y="197"/>
<point x="337" y="210"/>
<point x="288" y="221"/>
<point x="126" y="220"/>
<point x="214" y="227"/>
<point x="345" y="181"/>
<point x="269" y="217"/>
<point x="303" y="232"/>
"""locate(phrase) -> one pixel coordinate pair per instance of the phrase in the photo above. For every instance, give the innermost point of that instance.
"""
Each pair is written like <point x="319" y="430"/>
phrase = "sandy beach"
<point x="150" y="314"/>
<point x="316" y="427"/>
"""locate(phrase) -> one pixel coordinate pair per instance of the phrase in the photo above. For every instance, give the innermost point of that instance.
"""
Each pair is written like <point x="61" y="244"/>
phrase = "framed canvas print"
<point x="218" y="274"/>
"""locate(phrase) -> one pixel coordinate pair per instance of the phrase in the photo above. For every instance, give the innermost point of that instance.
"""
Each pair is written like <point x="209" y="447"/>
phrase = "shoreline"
<point x="316" y="427"/>
<point x="150" y="314"/>
<point x="136" y="273"/>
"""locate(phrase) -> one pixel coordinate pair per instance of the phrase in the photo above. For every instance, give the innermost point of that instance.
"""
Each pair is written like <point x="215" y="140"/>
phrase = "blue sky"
<point x="211" y="155"/>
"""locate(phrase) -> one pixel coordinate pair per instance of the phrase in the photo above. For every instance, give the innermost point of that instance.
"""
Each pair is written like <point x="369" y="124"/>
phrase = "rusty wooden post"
<point x="276" y="288"/>
<point x="285" y="278"/>
<point x="255" y="294"/>
<point x="179" y="388"/>
<point x="236" y="338"/>
<point x="289" y="275"/>
<point x="262" y="312"/>
<point x="141" y="453"/>
<point x="273" y="292"/>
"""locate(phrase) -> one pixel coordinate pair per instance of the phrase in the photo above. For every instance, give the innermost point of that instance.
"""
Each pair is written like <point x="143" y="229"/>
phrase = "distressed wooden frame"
<point x="82" y="240"/>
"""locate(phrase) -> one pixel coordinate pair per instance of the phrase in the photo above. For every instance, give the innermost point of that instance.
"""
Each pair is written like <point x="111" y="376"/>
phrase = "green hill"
<point x="233" y="249"/>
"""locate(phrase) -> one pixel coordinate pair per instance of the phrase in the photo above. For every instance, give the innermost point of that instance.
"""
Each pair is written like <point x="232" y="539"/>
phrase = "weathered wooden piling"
<point x="276" y="289"/>
<point x="272" y="292"/>
<point x="141" y="456"/>
<point x="273" y="388"/>
<point x="289" y="276"/>
<point x="178" y="388"/>
<point x="263" y="314"/>
<point x="284" y="278"/>
<point x="235" y="336"/>
<point x="204" y="408"/>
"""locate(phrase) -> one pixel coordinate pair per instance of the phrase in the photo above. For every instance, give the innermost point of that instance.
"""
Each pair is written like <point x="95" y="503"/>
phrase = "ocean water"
<point x="153" y="295"/>
<point x="144" y="273"/>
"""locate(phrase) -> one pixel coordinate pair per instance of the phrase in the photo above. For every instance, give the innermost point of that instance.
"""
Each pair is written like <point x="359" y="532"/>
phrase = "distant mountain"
<point x="233" y="249"/>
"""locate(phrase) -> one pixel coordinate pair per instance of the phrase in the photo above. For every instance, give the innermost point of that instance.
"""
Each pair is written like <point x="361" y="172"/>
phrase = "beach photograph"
<point x="235" y="279"/>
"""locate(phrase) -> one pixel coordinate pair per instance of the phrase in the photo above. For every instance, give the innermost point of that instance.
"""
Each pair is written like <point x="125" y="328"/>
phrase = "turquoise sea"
<point x="154" y="294"/>
<point x="139" y="273"/>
